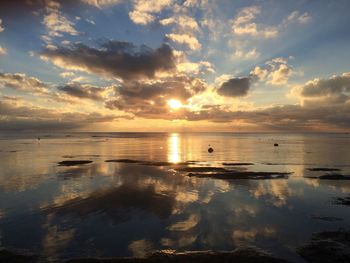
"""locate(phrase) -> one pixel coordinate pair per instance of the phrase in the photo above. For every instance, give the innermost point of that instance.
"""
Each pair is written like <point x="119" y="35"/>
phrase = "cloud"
<point x="102" y="3"/>
<point x="143" y="11"/>
<point x="281" y="75"/>
<point x="246" y="55"/>
<point x="149" y="99"/>
<point x="1" y="26"/>
<point x="3" y="51"/>
<point x="21" y="82"/>
<point x="113" y="59"/>
<point x="334" y="92"/>
<point x="196" y="68"/>
<point x="296" y="16"/>
<point x="184" y="22"/>
<point x="276" y="71"/>
<point x="57" y="24"/>
<point x="85" y="91"/>
<point x="243" y="24"/>
<point x="185" y="39"/>
<point x="141" y="18"/>
<point x="69" y="93"/>
<point x="234" y="87"/>
<point x="67" y="74"/>
<point x="19" y="117"/>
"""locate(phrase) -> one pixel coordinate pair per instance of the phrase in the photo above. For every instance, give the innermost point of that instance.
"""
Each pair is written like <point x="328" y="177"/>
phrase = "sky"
<point x="175" y="65"/>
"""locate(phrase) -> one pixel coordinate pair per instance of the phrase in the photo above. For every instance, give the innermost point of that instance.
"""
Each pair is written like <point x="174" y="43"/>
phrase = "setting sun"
<point x="174" y="104"/>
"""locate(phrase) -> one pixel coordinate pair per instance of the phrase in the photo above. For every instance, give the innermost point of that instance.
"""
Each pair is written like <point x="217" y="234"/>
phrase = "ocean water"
<point x="111" y="209"/>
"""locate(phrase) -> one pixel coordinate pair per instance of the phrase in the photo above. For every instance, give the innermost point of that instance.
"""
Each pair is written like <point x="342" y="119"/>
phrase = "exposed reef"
<point x="73" y="162"/>
<point x="327" y="247"/>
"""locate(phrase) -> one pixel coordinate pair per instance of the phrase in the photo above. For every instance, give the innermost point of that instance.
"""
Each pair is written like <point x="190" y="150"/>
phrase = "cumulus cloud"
<point x="149" y="99"/>
<point x="21" y="82"/>
<point x="243" y="24"/>
<point x="85" y="91"/>
<point x="334" y="92"/>
<point x="1" y="26"/>
<point x="298" y="17"/>
<point x="102" y="3"/>
<point x="276" y="71"/>
<point x="246" y="55"/>
<point x="113" y="59"/>
<point x="68" y="93"/>
<point x="3" y="51"/>
<point x="185" y="39"/>
<point x="144" y="11"/>
<point x="201" y="67"/>
<point x="20" y="117"/>
<point x="234" y="87"/>
<point x="184" y="22"/>
<point x="57" y="24"/>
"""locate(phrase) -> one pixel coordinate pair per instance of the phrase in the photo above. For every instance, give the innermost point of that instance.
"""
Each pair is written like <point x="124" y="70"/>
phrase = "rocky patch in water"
<point x="322" y="169"/>
<point x="73" y="162"/>
<point x="342" y="201"/>
<point x="327" y="218"/>
<point x="330" y="176"/>
<point x="241" y="255"/>
<point x="150" y="163"/>
<point x="327" y="247"/>
<point x="237" y="164"/>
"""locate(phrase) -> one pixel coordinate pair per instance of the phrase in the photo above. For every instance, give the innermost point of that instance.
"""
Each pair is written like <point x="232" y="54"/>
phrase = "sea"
<point x="138" y="193"/>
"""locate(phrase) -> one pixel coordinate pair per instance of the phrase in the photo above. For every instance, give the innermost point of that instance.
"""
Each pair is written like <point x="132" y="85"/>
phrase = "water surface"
<point x="123" y="209"/>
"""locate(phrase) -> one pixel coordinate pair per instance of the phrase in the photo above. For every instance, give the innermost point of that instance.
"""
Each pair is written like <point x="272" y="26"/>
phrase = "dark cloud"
<point x="235" y="87"/>
<point x="114" y="59"/>
<point x="84" y="91"/>
<point x="336" y="85"/>
<point x="21" y="82"/>
<point x="150" y="99"/>
<point x="18" y="117"/>
<point x="283" y="118"/>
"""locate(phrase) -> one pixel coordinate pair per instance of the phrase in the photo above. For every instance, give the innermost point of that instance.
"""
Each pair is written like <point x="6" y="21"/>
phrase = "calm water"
<point x="120" y="209"/>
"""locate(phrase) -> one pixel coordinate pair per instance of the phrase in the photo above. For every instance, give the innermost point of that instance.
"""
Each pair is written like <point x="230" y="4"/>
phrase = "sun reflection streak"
<point x="174" y="151"/>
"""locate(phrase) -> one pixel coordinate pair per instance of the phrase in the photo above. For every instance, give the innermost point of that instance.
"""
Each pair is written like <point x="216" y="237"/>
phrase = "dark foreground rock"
<point x="73" y="162"/>
<point x="7" y="256"/>
<point x="237" y="164"/>
<point x="150" y="163"/>
<point x="339" y="177"/>
<point x="327" y="218"/>
<point x="322" y="169"/>
<point x="240" y="255"/>
<point x="233" y="175"/>
<point x="334" y="177"/>
<point x="248" y="255"/>
<point x="327" y="247"/>
<point x="342" y="200"/>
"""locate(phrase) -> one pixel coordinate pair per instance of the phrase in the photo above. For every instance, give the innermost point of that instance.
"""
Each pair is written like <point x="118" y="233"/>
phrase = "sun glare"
<point x="174" y="104"/>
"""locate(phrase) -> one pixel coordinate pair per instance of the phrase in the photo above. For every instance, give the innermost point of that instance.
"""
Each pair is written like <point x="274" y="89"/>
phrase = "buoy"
<point x="210" y="150"/>
<point x="276" y="144"/>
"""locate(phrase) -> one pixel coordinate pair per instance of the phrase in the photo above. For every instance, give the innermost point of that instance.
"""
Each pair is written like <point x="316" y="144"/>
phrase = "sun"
<point x="174" y="104"/>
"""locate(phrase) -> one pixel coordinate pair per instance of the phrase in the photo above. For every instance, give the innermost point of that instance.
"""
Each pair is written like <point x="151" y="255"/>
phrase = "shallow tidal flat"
<point x="164" y="198"/>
